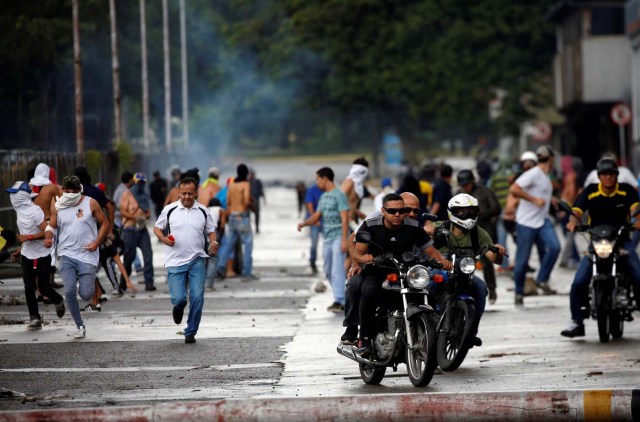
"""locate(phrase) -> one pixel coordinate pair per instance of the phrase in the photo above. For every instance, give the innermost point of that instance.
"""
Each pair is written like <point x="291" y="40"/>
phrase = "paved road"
<point x="274" y="338"/>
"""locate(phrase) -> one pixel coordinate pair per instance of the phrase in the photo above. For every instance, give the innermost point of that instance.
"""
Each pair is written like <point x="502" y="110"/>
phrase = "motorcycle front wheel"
<point x="616" y="324"/>
<point x="603" y="316"/>
<point x="456" y="335"/>
<point x="421" y="360"/>
<point x="372" y="375"/>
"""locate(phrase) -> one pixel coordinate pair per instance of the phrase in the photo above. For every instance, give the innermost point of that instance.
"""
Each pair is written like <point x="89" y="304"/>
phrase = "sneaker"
<point x="250" y="277"/>
<point x="573" y="330"/>
<point x="117" y="293"/>
<point x="35" y="324"/>
<point x="150" y="289"/>
<point x="546" y="290"/>
<point x="519" y="300"/>
<point x="81" y="332"/>
<point x="92" y="308"/>
<point x="336" y="308"/>
<point x="350" y="336"/>
<point x="314" y="269"/>
<point x="492" y="296"/>
<point x="60" y="309"/>
<point x="177" y="314"/>
<point x="103" y="299"/>
<point x="189" y="339"/>
<point x="530" y="269"/>
<point x="210" y="289"/>
<point x="365" y="348"/>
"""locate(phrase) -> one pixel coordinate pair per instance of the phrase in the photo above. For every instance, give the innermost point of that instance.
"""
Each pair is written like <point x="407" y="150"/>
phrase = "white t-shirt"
<point x="624" y="176"/>
<point x="188" y="227"/>
<point x="28" y="224"/>
<point x="215" y="215"/>
<point x="536" y="183"/>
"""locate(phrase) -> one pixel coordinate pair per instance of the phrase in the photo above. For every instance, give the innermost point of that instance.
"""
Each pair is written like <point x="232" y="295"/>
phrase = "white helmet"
<point x="468" y="219"/>
<point x="529" y="155"/>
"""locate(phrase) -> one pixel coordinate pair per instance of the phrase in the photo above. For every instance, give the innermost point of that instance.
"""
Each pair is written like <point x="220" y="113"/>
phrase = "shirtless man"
<point x="210" y="187"/>
<point x="238" y="223"/>
<point x="353" y="187"/>
<point x="135" y="208"/>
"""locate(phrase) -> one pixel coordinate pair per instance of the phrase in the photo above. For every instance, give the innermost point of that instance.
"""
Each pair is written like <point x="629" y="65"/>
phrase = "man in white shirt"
<point x="188" y="222"/>
<point x="533" y="225"/>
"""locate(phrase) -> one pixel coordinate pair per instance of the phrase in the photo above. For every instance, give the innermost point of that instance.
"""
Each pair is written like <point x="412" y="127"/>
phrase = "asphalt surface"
<point x="275" y="338"/>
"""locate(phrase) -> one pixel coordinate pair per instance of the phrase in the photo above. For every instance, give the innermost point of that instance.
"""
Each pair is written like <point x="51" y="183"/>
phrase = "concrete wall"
<point x="606" y="69"/>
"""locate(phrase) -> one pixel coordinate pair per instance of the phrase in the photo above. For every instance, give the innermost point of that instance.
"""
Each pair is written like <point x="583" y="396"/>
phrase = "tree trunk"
<point x="167" y="76"/>
<point x="145" y="78"/>
<point x="77" y="66"/>
<point x="117" y="105"/>
<point x="185" y="88"/>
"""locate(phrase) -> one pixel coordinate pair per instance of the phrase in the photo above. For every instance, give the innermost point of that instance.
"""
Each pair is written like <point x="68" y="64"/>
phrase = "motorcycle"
<point x="405" y="328"/>
<point x="609" y="300"/>
<point x="458" y="324"/>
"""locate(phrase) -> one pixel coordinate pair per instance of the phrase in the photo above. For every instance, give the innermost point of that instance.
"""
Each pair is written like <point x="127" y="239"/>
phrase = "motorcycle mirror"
<point x="565" y="207"/>
<point x="363" y="237"/>
<point x="429" y="217"/>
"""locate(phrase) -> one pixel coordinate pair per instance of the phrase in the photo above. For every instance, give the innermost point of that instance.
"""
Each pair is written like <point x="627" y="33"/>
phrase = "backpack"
<point x="167" y="228"/>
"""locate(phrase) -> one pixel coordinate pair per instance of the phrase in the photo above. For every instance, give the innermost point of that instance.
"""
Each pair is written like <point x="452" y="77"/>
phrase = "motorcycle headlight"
<point x="418" y="277"/>
<point x="603" y="248"/>
<point x="467" y="265"/>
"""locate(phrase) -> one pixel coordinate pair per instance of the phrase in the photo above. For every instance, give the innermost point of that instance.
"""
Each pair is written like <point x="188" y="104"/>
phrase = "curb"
<point x="572" y="405"/>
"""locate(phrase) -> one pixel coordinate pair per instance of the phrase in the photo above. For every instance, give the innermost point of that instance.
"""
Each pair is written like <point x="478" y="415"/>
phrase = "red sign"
<point x="621" y="114"/>
<point x="542" y="132"/>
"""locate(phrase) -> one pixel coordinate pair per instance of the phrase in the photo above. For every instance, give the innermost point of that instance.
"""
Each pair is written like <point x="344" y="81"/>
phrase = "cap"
<point x="545" y="151"/>
<point x="139" y="177"/>
<point x="71" y="182"/>
<point x="101" y="186"/>
<point x="528" y="155"/>
<point x="19" y="186"/>
<point x="465" y="177"/>
<point x="607" y="165"/>
<point x="385" y="182"/>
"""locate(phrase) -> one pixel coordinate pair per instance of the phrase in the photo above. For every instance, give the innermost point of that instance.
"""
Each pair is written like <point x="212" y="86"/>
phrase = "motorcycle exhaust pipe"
<point x="349" y="352"/>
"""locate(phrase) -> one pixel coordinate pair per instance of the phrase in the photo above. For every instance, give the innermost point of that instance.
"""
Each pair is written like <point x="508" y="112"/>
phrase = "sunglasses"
<point x="394" y="211"/>
<point x="413" y="210"/>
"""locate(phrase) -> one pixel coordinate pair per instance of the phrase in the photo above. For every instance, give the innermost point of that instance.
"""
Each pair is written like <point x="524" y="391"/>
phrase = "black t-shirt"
<point x="442" y="194"/>
<point x="398" y="241"/>
<point x="611" y="209"/>
<point x="95" y="193"/>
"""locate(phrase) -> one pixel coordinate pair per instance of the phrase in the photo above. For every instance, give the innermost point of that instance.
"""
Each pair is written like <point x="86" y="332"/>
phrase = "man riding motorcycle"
<point x="611" y="203"/>
<point x="466" y="236"/>
<point x="390" y="233"/>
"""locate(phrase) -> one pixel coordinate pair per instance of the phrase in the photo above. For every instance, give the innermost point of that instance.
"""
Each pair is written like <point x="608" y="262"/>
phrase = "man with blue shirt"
<point x="333" y="209"/>
<point x="311" y="202"/>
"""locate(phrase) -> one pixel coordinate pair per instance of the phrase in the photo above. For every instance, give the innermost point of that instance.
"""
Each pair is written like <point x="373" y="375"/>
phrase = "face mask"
<point x="139" y="188"/>
<point x="68" y="199"/>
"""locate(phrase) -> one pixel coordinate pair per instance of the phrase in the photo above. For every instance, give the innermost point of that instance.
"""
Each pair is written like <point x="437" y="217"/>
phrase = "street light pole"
<point x="167" y="76"/>
<point x="77" y="70"/>
<point x="145" y="77"/>
<point x="116" y="72"/>
<point x="185" y="88"/>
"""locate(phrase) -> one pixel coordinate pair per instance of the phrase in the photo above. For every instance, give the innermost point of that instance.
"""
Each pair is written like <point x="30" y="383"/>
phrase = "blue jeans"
<point x="191" y="274"/>
<point x="239" y="225"/>
<point x="134" y="238"/>
<point x="502" y="239"/>
<point x="212" y="264"/>
<point x="478" y="292"/>
<point x="314" y="232"/>
<point x="548" y="246"/>
<point x="581" y="281"/>
<point x="334" y="267"/>
<point x="74" y="273"/>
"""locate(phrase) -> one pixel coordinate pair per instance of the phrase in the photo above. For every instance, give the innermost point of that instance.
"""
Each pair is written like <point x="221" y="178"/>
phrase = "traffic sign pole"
<point x="621" y="115"/>
<point x="623" y="146"/>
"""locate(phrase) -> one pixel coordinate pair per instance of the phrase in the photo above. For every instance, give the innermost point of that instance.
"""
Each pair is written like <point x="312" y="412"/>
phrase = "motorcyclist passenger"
<point x="611" y="203"/>
<point x="390" y="233"/>
<point x="466" y="238"/>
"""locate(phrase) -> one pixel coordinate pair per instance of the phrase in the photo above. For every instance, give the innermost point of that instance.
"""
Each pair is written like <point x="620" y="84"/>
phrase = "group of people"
<point x="522" y="203"/>
<point x="77" y="228"/>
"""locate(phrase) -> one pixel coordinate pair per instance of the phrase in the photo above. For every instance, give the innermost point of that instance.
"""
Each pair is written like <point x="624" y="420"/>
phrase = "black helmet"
<point x="607" y="165"/>
<point x="465" y="176"/>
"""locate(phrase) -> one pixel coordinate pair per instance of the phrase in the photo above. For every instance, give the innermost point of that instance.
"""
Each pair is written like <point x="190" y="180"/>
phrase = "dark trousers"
<point x="352" y="301"/>
<point x="137" y="238"/>
<point x="37" y="278"/>
<point x="371" y="295"/>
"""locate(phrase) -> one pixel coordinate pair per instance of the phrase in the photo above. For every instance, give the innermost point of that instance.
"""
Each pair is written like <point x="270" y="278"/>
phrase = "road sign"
<point x="542" y="132"/>
<point x="621" y="114"/>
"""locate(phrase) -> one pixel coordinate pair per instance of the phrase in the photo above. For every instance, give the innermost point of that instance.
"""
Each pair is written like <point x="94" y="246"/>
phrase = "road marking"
<point x="147" y="368"/>
<point x="597" y="405"/>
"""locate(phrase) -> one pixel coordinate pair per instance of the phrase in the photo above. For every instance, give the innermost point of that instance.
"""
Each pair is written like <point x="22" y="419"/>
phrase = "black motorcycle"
<point x="610" y="301"/>
<point x="405" y="325"/>
<point x="458" y="324"/>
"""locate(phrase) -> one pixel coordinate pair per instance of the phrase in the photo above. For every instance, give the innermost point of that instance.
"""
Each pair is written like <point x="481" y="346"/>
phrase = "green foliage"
<point x="94" y="163"/>
<point x="125" y="155"/>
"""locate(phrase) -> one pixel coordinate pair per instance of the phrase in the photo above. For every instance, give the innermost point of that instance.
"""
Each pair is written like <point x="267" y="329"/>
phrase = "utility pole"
<point x="77" y="70"/>
<point x="145" y="77"/>
<point x="117" y="114"/>
<point x="185" y="88"/>
<point x="167" y="78"/>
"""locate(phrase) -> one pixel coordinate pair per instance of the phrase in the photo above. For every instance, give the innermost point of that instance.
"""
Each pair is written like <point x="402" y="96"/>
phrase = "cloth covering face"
<point x="358" y="174"/>
<point x="41" y="176"/>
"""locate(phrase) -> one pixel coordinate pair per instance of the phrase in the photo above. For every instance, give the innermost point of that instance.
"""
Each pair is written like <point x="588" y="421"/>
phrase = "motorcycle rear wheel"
<point x="372" y="375"/>
<point x="422" y="360"/>
<point x="616" y="324"/>
<point x="455" y="337"/>
<point x="603" y="316"/>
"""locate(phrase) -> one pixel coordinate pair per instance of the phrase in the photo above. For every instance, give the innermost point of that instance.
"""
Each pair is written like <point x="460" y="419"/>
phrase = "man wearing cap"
<point x="607" y="202"/>
<point x="35" y="258"/>
<point x="533" y="225"/>
<point x="135" y="208"/>
<point x="77" y="217"/>
<point x="488" y="212"/>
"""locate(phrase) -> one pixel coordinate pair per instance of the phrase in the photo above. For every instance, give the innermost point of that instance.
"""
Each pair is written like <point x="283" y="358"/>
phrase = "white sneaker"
<point x="81" y="332"/>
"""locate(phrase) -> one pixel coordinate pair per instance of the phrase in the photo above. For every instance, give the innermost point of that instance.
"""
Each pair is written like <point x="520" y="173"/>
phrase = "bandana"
<point x="142" y="197"/>
<point x="41" y="176"/>
<point x="68" y="200"/>
<point x="358" y="174"/>
<point x="27" y="211"/>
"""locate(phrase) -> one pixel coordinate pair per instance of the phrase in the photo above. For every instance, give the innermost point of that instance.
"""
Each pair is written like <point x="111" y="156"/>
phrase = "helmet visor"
<point x="465" y="213"/>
